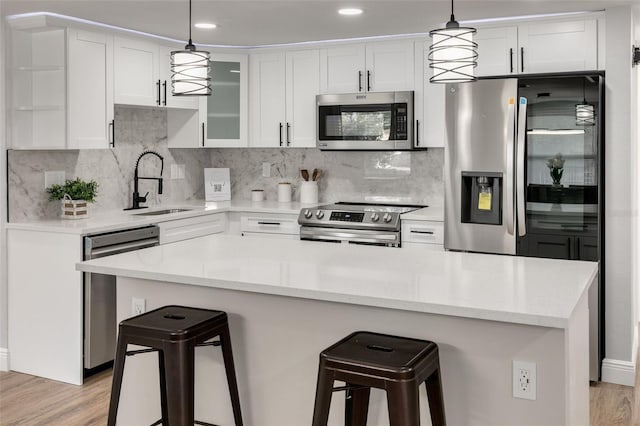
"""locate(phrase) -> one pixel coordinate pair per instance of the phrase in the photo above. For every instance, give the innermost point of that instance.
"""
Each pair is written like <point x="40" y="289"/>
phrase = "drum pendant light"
<point x="585" y="112"/>
<point x="190" y="70"/>
<point x="453" y="54"/>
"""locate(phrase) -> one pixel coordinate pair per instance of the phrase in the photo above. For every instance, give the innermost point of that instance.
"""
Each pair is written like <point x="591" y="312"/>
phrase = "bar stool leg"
<point x="163" y="388"/>
<point x="116" y="383"/>
<point x="357" y="406"/>
<point x="324" y="389"/>
<point x="403" y="403"/>
<point x="179" y="376"/>
<point x="436" y="400"/>
<point x="230" y="369"/>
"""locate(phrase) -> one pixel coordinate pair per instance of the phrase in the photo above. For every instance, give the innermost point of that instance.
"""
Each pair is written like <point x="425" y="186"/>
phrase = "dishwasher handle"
<point x="121" y="248"/>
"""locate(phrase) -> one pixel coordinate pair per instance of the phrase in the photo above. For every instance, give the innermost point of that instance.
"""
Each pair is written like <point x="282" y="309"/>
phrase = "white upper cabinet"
<point x="497" y="51"/>
<point x="377" y="67"/>
<point x="166" y="98"/>
<point x="429" y="99"/>
<point x="283" y="91"/>
<point x="61" y="87"/>
<point x="538" y="47"/>
<point x="558" y="46"/>
<point x="136" y="72"/>
<point x="223" y="116"/>
<point x="90" y="109"/>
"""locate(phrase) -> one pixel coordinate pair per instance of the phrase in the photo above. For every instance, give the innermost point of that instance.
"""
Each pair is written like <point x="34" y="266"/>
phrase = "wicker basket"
<point x="74" y="209"/>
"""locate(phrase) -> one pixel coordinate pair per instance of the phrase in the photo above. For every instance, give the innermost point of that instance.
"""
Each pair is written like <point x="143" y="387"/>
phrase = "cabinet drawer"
<point x="271" y="224"/>
<point x="422" y="232"/>
<point x="182" y="229"/>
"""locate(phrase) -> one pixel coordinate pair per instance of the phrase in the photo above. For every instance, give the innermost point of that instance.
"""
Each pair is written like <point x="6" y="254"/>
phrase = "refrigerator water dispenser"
<point x="481" y="198"/>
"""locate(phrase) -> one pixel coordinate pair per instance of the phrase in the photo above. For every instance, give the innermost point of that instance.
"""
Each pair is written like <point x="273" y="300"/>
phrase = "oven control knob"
<point x="319" y="214"/>
<point x="375" y="217"/>
<point x="308" y="213"/>
<point x="386" y="218"/>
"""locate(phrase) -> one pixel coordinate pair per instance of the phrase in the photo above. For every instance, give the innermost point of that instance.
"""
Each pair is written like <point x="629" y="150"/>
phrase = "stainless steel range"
<point x="355" y="223"/>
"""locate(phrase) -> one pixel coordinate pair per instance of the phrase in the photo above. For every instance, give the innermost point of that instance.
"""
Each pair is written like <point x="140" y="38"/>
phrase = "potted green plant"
<point x="75" y="196"/>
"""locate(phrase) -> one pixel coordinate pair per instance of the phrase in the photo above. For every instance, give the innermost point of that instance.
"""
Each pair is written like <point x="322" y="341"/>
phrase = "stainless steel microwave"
<point x="374" y="121"/>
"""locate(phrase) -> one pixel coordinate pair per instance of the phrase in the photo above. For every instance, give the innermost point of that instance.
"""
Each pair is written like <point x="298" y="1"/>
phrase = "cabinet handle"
<point x="511" y="60"/>
<point x="577" y="247"/>
<point x="288" y="134"/>
<point x="158" y="87"/>
<point x="522" y="59"/>
<point x="417" y="133"/>
<point x="269" y="223"/>
<point x="112" y="133"/>
<point x="203" y="134"/>
<point x="368" y="81"/>
<point x="280" y="133"/>
<point x="164" y="88"/>
<point x="359" y="81"/>
<point x="413" y="231"/>
<point x="569" y="247"/>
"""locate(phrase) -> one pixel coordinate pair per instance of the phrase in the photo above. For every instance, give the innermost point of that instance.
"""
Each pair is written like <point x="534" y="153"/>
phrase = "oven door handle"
<point x="326" y="234"/>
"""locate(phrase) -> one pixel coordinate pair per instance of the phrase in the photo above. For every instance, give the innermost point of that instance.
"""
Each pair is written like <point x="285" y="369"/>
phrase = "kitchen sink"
<point x="159" y="212"/>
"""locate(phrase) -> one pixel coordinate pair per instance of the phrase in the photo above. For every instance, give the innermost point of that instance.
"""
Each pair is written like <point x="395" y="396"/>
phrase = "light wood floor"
<point x="27" y="400"/>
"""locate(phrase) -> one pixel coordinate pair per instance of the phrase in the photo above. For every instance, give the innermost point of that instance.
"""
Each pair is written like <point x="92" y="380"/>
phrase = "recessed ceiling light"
<point x="350" y="11"/>
<point x="205" y="25"/>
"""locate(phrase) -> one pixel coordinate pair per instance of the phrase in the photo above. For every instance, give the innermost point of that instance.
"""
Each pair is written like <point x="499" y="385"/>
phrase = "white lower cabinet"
<point x="182" y="229"/>
<point x="270" y="225"/>
<point x="423" y="234"/>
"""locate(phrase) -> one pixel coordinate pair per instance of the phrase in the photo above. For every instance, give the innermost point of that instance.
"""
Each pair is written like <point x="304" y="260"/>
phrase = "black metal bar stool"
<point x="174" y="332"/>
<point x="365" y="360"/>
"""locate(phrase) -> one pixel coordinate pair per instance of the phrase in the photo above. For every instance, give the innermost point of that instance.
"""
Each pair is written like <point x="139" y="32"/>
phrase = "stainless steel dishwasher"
<point x="100" y="291"/>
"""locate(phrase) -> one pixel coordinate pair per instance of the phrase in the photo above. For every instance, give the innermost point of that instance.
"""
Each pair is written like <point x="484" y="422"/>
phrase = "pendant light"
<point x="585" y="112"/>
<point x="453" y="54"/>
<point x="190" y="70"/>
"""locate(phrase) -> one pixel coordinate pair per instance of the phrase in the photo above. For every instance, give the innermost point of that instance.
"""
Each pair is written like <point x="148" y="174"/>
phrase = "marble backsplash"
<point x="402" y="177"/>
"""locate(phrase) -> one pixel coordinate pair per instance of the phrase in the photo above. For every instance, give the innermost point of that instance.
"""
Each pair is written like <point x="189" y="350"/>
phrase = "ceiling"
<point x="264" y="22"/>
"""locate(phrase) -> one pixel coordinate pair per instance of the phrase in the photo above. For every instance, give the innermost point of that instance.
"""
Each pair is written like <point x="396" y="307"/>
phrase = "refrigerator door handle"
<point x="509" y="165"/>
<point x="520" y="186"/>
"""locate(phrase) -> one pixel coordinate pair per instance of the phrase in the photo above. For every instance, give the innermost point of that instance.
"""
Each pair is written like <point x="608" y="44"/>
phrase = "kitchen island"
<point x="287" y="300"/>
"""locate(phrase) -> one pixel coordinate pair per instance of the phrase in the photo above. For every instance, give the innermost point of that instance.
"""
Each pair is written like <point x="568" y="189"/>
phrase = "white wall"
<point x="3" y="208"/>
<point x="620" y="207"/>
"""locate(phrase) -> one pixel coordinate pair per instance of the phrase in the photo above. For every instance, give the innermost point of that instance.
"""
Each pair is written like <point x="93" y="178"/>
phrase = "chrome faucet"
<point x="137" y="199"/>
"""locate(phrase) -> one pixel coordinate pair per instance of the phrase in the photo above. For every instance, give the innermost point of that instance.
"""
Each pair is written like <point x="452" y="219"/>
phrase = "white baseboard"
<point x="618" y="372"/>
<point x="4" y="359"/>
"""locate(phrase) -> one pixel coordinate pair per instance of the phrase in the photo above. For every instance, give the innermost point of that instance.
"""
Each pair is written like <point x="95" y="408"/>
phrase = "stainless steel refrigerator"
<point x="524" y="174"/>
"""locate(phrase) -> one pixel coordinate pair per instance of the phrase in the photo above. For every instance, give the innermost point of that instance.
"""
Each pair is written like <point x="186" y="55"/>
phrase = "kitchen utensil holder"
<point x="309" y="192"/>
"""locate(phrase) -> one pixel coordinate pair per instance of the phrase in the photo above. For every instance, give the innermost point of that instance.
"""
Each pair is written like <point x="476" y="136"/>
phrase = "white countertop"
<point x="520" y="290"/>
<point x="111" y="220"/>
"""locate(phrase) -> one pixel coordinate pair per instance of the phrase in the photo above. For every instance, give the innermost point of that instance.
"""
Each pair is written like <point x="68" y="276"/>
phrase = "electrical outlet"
<point x="177" y="171"/>
<point x="524" y="380"/>
<point x="138" y="306"/>
<point x="266" y="169"/>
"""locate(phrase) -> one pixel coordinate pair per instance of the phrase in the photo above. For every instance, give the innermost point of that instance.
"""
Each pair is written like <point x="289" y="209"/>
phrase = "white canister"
<point x="257" y="195"/>
<point x="284" y="192"/>
<point x="309" y="192"/>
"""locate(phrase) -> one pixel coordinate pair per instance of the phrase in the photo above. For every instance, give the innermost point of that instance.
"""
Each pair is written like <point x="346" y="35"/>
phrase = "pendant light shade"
<point x="585" y="112"/>
<point x="585" y="115"/>
<point x="453" y="54"/>
<point x="190" y="70"/>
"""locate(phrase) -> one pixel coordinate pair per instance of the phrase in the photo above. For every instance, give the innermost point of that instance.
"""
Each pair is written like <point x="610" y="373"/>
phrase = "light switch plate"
<point x="54" y="177"/>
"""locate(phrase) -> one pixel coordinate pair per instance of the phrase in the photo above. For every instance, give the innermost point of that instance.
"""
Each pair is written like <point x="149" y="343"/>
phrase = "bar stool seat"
<point x="399" y="365"/>
<point x="174" y="332"/>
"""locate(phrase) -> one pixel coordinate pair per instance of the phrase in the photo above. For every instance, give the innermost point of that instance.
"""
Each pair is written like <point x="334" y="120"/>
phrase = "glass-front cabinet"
<point x="223" y="115"/>
<point x="562" y="167"/>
